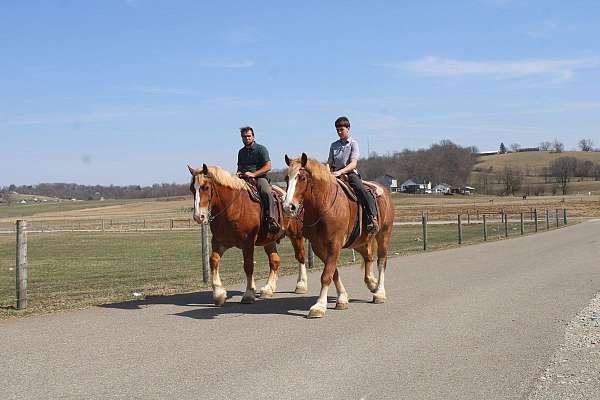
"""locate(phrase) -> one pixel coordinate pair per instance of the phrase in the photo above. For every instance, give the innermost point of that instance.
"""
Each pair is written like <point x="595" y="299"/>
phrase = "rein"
<point x="337" y="189"/>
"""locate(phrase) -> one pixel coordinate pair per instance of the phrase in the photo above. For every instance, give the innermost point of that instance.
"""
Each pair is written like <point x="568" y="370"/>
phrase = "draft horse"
<point x="330" y="218"/>
<point x="224" y="201"/>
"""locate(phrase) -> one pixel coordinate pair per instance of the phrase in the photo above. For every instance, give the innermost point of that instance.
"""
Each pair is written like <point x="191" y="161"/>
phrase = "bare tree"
<point x="511" y="178"/>
<point x="585" y="145"/>
<point x="563" y="169"/>
<point x="558" y="146"/>
<point x="515" y="147"/>
<point x="545" y="146"/>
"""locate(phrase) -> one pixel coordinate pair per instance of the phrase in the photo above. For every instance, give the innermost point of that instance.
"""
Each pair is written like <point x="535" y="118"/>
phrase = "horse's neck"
<point x="321" y="195"/>
<point x="223" y="198"/>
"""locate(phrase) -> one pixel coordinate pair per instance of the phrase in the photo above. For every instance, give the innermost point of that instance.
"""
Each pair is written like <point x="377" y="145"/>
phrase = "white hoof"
<point x="371" y="284"/>
<point x="379" y="297"/>
<point x="266" y="292"/>
<point x="316" y="312"/>
<point x="219" y="296"/>
<point x="301" y="288"/>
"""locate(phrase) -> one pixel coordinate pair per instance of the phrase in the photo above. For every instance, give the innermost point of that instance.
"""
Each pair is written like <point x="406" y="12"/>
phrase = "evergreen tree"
<point x="502" y="148"/>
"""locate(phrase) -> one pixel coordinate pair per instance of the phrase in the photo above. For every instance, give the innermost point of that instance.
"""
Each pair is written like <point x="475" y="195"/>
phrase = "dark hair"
<point x="342" y="122"/>
<point x="245" y="129"/>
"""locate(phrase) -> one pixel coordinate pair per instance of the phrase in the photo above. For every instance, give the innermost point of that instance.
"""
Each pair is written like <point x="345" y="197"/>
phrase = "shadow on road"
<point x="291" y="306"/>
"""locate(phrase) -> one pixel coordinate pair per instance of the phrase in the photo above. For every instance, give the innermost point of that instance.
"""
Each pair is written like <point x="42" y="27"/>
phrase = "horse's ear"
<point x="304" y="160"/>
<point x="287" y="160"/>
<point x="204" y="169"/>
<point x="192" y="170"/>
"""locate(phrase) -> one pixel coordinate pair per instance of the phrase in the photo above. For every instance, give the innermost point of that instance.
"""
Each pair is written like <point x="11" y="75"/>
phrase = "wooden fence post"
<point x="205" y="258"/>
<point x="21" y="264"/>
<point x="522" y="227"/>
<point x="556" y="216"/>
<point x="102" y="224"/>
<point x="505" y="225"/>
<point x="484" y="229"/>
<point x="311" y="255"/>
<point x="459" y="230"/>
<point x="547" y="220"/>
<point x="536" y="220"/>
<point x="468" y="218"/>
<point x="424" y="222"/>
<point x="565" y="216"/>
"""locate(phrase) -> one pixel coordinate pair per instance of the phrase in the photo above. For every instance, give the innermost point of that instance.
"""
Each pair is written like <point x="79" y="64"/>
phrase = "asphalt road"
<point x="477" y="322"/>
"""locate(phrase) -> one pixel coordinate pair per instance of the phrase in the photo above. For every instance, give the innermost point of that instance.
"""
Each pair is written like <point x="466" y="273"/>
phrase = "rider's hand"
<point x="249" y="174"/>
<point x="336" y="173"/>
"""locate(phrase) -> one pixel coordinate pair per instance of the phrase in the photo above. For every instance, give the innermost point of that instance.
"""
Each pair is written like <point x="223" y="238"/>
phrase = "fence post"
<point x="424" y="221"/>
<point x="171" y="228"/>
<point x="522" y="228"/>
<point x="21" y="264"/>
<point x="484" y="229"/>
<point x="353" y="256"/>
<point x="556" y="216"/>
<point x="565" y="216"/>
<point x="536" y="220"/>
<point x="505" y="225"/>
<point x="311" y="255"/>
<point x="468" y="218"/>
<point x="102" y="223"/>
<point x="459" y="230"/>
<point x="205" y="259"/>
<point x="547" y="220"/>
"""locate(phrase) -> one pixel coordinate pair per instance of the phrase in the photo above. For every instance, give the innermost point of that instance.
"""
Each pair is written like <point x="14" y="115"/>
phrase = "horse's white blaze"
<point x="289" y="194"/>
<point x="198" y="211"/>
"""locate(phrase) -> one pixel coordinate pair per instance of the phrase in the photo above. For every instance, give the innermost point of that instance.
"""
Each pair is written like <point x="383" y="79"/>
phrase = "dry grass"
<point x="534" y="161"/>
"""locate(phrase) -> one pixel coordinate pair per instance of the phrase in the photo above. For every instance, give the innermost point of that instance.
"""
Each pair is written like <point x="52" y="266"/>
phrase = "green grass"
<point x="76" y="269"/>
<point x="25" y="210"/>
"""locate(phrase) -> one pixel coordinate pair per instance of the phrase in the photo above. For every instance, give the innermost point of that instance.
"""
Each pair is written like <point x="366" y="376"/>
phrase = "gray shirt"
<point x="342" y="152"/>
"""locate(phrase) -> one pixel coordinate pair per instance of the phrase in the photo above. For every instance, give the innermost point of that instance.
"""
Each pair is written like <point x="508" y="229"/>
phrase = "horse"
<point x="329" y="222"/>
<point x="224" y="201"/>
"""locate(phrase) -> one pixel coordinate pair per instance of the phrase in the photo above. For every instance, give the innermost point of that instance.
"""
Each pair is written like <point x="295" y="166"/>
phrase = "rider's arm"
<point x="348" y="168"/>
<point x="263" y="170"/>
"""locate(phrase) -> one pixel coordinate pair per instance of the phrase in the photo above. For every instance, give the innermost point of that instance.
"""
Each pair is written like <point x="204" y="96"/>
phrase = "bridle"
<point x="211" y="217"/>
<point x="301" y="203"/>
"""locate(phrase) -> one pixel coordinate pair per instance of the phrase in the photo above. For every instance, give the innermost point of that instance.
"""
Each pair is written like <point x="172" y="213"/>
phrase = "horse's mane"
<point x="318" y="171"/>
<point x="225" y="178"/>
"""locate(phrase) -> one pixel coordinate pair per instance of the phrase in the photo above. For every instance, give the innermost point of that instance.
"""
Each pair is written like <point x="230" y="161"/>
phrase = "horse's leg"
<point x="366" y="252"/>
<point x="302" y="281"/>
<point x="319" y="308"/>
<point x="383" y="242"/>
<point x="248" y="252"/>
<point x="342" y="300"/>
<point x="274" y="261"/>
<point x="219" y="292"/>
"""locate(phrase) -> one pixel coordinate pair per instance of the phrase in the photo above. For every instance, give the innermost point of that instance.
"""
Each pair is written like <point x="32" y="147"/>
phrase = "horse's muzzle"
<point x="290" y="209"/>
<point x="200" y="218"/>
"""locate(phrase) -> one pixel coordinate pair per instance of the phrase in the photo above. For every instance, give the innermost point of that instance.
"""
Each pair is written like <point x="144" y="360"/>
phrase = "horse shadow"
<point x="206" y="310"/>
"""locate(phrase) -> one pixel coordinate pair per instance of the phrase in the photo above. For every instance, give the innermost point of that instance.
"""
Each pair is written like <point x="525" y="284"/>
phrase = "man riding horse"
<point x="254" y="162"/>
<point x="343" y="158"/>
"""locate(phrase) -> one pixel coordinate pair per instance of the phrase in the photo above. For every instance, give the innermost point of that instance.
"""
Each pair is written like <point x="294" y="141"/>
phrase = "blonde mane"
<point x="318" y="171"/>
<point x="225" y="178"/>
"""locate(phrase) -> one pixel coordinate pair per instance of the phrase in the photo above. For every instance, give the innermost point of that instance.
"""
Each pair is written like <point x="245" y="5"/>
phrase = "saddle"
<point x="372" y="189"/>
<point x="278" y="195"/>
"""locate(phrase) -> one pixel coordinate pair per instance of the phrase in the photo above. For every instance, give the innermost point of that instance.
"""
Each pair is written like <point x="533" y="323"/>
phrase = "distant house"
<point x="488" y="153"/>
<point x="465" y="190"/>
<point x="440" y="188"/>
<point x="415" y="186"/>
<point x="388" y="181"/>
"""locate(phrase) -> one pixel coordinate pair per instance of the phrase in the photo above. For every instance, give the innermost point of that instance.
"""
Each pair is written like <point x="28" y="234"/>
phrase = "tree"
<point x="586" y="145"/>
<point x="515" y="147"/>
<point x="545" y="146"/>
<point x="558" y="146"/>
<point x="511" y="178"/>
<point x="502" y="148"/>
<point x="563" y="169"/>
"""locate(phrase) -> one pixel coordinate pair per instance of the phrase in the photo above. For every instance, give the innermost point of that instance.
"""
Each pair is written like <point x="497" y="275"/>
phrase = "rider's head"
<point x="342" y="126"/>
<point x="247" y="135"/>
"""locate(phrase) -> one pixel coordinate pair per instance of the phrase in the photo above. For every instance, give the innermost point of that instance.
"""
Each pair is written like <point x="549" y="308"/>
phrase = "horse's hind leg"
<point x="342" y="300"/>
<point x="274" y="261"/>
<point x="248" y="253"/>
<point x="366" y="252"/>
<point x="302" y="281"/>
<point x="383" y="242"/>
<point x="219" y="292"/>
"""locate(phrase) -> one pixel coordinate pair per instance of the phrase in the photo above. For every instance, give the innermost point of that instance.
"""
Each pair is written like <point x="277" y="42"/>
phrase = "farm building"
<point x="388" y="181"/>
<point x="415" y="186"/>
<point x="440" y="188"/>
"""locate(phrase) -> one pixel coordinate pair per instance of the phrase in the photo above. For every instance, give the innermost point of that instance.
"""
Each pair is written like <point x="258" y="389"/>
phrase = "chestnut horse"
<point x="224" y="201"/>
<point x="329" y="219"/>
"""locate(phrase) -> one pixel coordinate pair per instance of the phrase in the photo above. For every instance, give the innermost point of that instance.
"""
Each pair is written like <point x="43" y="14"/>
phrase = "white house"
<point x="415" y="186"/>
<point x="441" y="188"/>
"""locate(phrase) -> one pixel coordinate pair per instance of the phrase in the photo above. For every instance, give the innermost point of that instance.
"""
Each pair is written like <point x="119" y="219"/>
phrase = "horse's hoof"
<point x="371" y="284"/>
<point x="220" y="300"/>
<point x="248" y="300"/>
<point x="316" y="313"/>
<point x="266" y="293"/>
<point x="341" y="306"/>
<point x="301" y="290"/>
<point x="379" y="298"/>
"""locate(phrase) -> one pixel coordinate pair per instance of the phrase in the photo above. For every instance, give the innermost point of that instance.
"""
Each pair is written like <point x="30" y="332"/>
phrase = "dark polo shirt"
<point x="252" y="158"/>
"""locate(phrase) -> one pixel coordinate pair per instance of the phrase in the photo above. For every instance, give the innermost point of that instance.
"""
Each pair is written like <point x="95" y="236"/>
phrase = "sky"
<point x="130" y="91"/>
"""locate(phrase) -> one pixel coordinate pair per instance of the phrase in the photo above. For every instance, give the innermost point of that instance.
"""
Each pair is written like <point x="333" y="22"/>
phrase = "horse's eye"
<point x="301" y="178"/>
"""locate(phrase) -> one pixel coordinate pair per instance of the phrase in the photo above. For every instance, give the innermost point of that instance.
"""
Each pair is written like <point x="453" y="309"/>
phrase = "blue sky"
<point x="129" y="92"/>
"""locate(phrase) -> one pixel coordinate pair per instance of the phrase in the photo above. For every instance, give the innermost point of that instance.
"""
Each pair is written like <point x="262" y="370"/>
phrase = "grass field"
<point x="76" y="269"/>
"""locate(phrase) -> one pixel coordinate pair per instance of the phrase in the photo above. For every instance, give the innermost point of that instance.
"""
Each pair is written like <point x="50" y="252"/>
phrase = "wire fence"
<point x="77" y="263"/>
